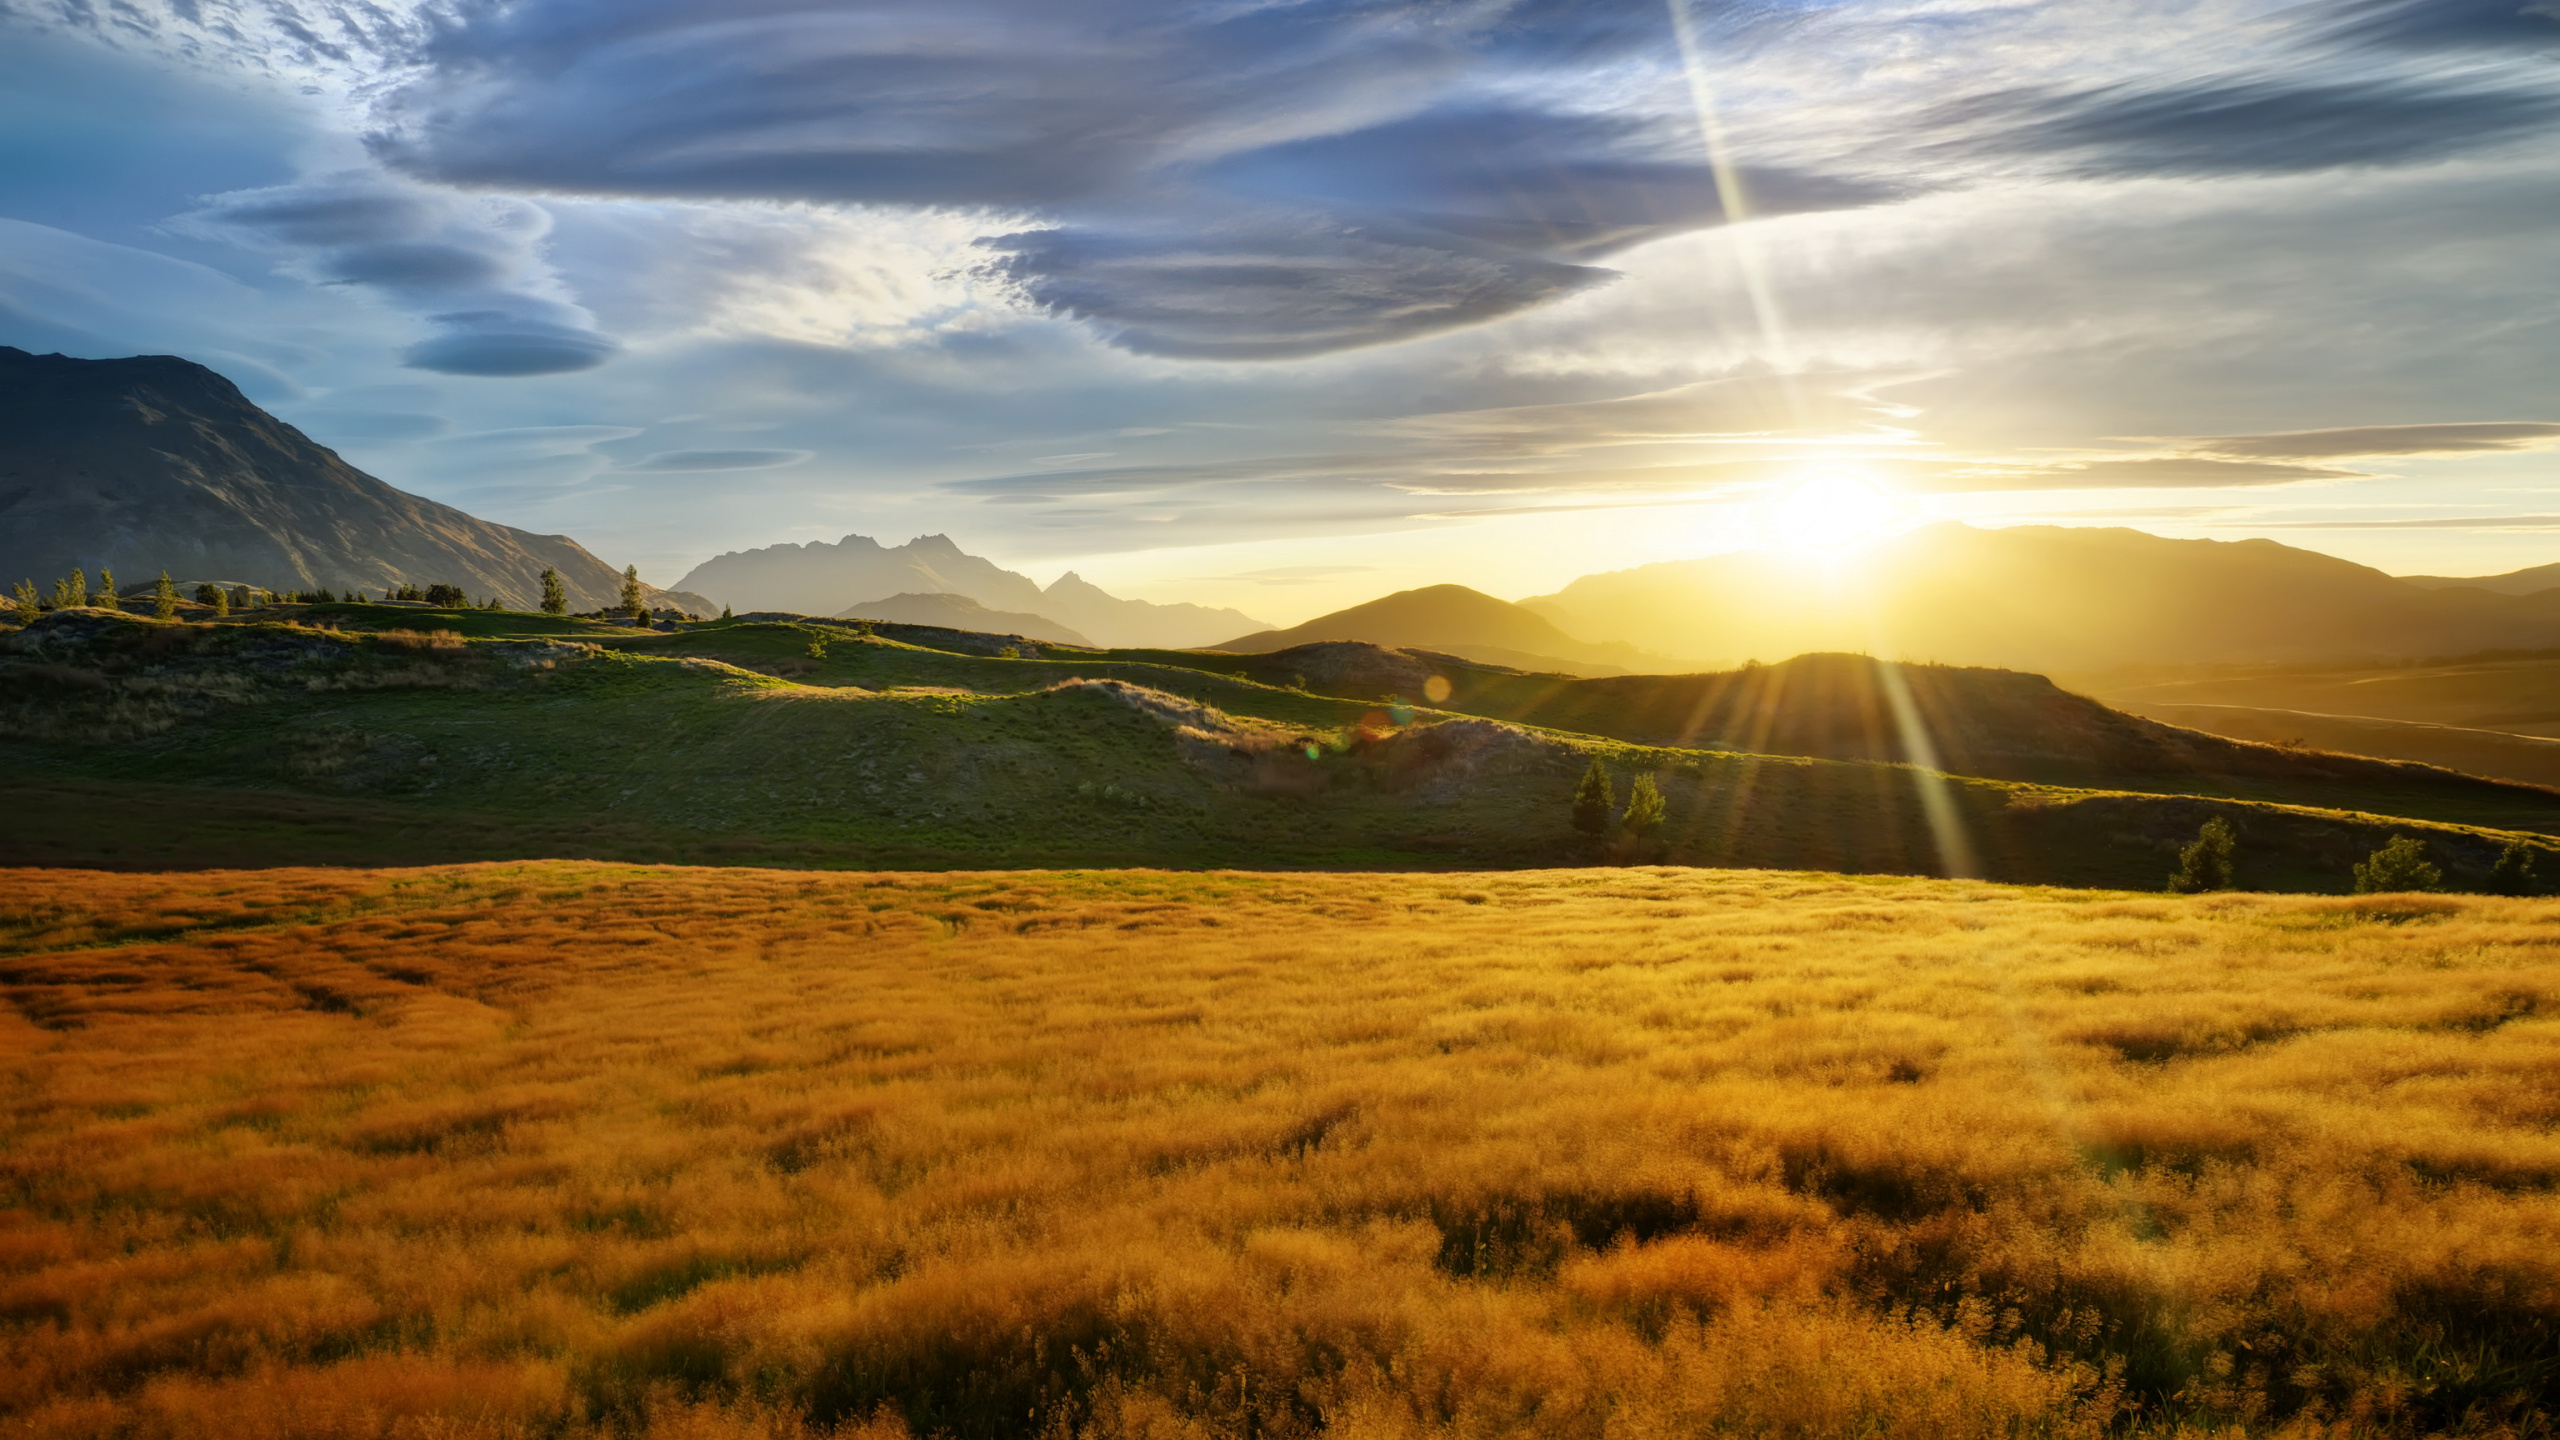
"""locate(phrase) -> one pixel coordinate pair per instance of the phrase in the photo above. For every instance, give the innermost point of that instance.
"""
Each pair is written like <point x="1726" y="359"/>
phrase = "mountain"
<point x="1461" y="621"/>
<point x="2045" y="598"/>
<point x="1138" y="623"/>
<point x="2515" y="582"/>
<point x="959" y="612"/>
<point x="821" y="579"/>
<point x="155" y="462"/>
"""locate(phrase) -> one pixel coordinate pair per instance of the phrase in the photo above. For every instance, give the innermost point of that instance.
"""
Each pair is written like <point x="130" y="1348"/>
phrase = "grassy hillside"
<point x="578" y="1150"/>
<point x="133" y="743"/>
<point x="2529" y="759"/>
<point x="2517" y="693"/>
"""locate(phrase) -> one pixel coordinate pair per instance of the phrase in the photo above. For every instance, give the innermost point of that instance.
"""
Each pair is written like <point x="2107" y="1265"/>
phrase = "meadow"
<point x="558" y="1149"/>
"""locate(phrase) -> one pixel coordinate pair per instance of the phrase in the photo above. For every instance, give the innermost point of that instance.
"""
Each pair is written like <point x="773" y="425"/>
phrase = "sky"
<point x="1283" y="304"/>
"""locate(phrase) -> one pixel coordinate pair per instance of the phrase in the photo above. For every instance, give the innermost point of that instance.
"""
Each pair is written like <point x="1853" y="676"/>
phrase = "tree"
<point x="2205" y="863"/>
<point x="221" y="602"/>
<point x="446" y="597"/>
<point x="107" y="589"/>
<point x="164" y="598"/>
<point x="72" y="592"/>
<point x="2399" y="866"/>
<point x="555" y="596"/>
<point x="2513" y="874"/>
<point x="29" y="602"/>
<point x="724" y="613"/>
<point x="1593" y="799"/>
<point x="631" y="598"/>
<point x="1645" y="810"/>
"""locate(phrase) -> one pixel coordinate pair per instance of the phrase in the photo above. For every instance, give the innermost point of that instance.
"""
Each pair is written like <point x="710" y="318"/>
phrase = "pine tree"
<point x="29" y="602"/>
<point x="2399" y="866"/>
<point x="107" y="590"/>
<point x="2513" y="874"/>
<point x="1593" y="799"/>
<point x="164" y="598"/>
<point x="221" y="603"/>
<point x="631" y="601"/>
<point x="1645" y="809"/>
<point x="2205" y="863"/>
<point x="555" y="596"/>
<point x="724" y="613"/>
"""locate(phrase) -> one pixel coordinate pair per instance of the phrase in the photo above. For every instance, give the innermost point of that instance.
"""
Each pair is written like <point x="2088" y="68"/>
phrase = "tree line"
<point x="73" y="592"/>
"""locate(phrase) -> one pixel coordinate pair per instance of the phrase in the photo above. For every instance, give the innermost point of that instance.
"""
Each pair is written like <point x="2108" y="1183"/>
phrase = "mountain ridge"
<point x="822" y="577"/>
<point x="154" y="462"/>
<point x="2051" y="599"/>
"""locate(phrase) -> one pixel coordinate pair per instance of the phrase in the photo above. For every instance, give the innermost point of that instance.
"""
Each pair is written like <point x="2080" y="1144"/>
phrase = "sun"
<point x="1825" y="512"/>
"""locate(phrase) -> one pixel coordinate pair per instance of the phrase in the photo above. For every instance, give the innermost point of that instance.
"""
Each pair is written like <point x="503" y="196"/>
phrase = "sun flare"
<point x="1825" y="512"/>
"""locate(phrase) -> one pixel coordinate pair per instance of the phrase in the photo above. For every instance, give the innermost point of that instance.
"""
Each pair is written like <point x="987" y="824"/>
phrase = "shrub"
<point x="817" y="649"/>
<point x="1593" y="799"/>
<point x="2399" y="866"/>
<point x="1010" y="652"/>
<point x="555" y="596"/>
<point x="2205" y="863"/>
<point x="2513" y="874"/>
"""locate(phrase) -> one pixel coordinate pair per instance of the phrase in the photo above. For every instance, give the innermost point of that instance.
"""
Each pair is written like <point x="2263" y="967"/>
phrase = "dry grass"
<point x="551" y="1149"/>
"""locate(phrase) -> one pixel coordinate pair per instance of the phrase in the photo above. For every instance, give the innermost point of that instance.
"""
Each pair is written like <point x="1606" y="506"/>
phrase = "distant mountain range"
<point x="155" y="462"/>
<point x="959" y="612"/>
<point x="1459" y="621"/>
<point x="851" y="575"/>
<point x="2048" y="599"/>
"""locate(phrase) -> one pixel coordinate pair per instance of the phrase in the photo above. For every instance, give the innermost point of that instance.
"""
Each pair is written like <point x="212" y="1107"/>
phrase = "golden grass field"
<point x="560" y="1149"/>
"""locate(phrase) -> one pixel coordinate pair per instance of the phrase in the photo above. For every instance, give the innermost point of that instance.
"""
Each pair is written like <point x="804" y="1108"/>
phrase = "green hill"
<point x="374" y="735"/>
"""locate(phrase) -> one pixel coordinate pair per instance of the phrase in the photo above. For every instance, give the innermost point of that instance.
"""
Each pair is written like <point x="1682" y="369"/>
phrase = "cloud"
<point x="2260" y="126"/>
<point x="2472" y="522"/>
<point x="472" y="264"/>
<point x="688" y="460"/>
<point x="2425" y="25"/>
<point x="2465" y="438"/>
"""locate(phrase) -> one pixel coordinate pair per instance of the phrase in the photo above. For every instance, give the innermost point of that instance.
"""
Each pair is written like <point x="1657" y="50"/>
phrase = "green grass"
<point x="314" y="747"/>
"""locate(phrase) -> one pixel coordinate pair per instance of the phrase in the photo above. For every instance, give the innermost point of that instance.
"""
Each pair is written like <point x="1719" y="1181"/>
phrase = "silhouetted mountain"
<point x="155" y="462"/>
<point x="2045" y="598"/>
<point x="1460" y="621"/>
<point x="959" y="612"/>
<point x="821" y="579"/>
<point x="2531" y="581"/>
<point x="1114" y="621"/>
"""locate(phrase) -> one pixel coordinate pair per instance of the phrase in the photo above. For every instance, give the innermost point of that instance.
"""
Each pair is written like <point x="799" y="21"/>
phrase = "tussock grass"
<point x="562" y="1148"/>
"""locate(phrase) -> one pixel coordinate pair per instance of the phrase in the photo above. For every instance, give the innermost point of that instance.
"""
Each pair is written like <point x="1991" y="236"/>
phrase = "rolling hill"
<point x="154" y="463"/>
<point x="1458" y="620"/>
<point x="2530" y="581"/>
<point x="2055" y="600"/>
<point x="348" y="734"/>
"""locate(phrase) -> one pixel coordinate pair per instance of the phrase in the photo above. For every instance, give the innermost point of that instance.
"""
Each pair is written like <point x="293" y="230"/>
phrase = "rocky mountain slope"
<point x="155" y="462"/>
